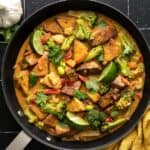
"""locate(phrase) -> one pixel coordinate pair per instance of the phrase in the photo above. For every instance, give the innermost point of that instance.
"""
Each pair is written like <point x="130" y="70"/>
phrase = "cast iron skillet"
<point x="12" y="51"/>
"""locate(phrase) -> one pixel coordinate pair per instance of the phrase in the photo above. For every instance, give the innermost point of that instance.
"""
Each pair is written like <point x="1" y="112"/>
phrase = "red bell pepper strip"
<point x="68" y="55"/>
<point x="52" y="91"/>
<point x="45" y="38"/>
<point x="67" y="82"/>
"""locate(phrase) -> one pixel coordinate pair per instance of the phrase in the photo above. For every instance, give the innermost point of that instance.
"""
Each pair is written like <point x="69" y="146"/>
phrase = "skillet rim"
<point x="17" y="118"/>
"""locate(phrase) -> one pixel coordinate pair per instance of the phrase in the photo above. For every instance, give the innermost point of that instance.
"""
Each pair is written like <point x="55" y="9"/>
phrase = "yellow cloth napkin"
<point x="139" y="138"/>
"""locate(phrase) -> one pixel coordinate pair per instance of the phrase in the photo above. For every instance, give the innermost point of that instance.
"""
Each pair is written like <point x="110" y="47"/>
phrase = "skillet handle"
<point x="20" y="141"/>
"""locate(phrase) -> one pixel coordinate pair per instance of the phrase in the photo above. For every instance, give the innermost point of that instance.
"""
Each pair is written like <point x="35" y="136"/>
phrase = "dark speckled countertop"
<point x="137" y="10"/>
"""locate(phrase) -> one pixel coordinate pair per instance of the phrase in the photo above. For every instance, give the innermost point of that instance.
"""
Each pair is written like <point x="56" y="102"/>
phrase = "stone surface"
<point x="140" y="12"/>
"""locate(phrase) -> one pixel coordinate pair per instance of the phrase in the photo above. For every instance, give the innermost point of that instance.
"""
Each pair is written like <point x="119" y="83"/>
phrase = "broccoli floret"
<point x="90" y="17"/>
<point x="124" y="69"/>
<point x="50" y="108"/>
<point x="58" y="109"/>
<point x="82" y="31"/>
<point x="41" y="99"/>
<point x="128" y="47"/>
<point x="31" y="117"/>
<point x="33" y="78"/>
<point x="137" y="71"/>
<point x="93" y="118"/>
<point x="101" y="23"/>
<point x="103" y="88"/>
<point x="126" y="99"/>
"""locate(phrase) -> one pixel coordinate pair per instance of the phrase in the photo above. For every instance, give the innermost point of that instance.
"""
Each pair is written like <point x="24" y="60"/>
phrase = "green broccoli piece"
<point x="124" y="69"/>
<point x="101" y="23"/>
<point x="50" y="108"/>
<point x="67" y="43"/>
<point x="137" y="71"/>
<point x="32" y="78"/>
<point x="94" y="118"/>
<point x="128" y="47"/>
<point x="82" y="32"/>
<point x="41" y="99"/>
<point x="113" y="124"/>
<point x="102" y="116"/>
<point x="125" y="100"/>
<point x="58" y="109"/>
<point x="89" y="16"/>
<point x="103" y="88"/>
<point x="31" y="117"/>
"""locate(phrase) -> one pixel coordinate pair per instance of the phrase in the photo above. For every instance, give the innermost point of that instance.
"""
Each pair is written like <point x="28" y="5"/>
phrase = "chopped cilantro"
<point x="80" y="95"/>
<point x="41" y="99"/>
<point x="92" y="85"/>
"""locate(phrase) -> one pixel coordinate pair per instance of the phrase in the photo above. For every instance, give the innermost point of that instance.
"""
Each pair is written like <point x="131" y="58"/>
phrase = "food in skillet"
<point x="79" y="76"/>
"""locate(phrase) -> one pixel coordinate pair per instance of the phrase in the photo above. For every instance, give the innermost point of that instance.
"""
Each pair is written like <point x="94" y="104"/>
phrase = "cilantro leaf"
<point x="80" y="95"/>
<point x="55" y="53"/>
<point x="41" y="99"/>
<point x="33" y="78"/>
<point x="91" y="17"/>
<point x="54" y="50"/>
<point x="128" y="46"/>
<point x="101" y="23"/>
<point x="56" y="60"/>
<point x="92" y="85"/>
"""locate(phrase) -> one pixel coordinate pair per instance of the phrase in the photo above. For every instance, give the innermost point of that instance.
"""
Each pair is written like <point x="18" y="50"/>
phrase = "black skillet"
<point x="12" y="51"/>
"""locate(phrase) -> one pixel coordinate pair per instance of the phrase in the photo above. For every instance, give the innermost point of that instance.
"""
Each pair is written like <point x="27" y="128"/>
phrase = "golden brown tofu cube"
<point x="75" y="106"/>
<point x="80" y="51"/>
